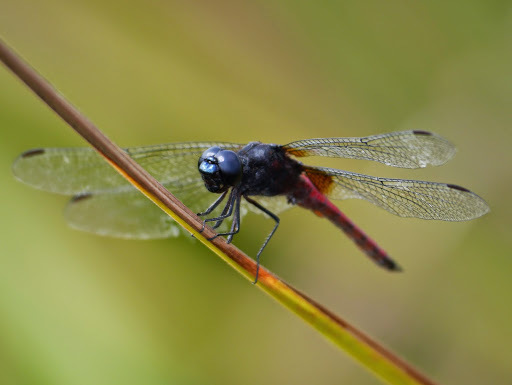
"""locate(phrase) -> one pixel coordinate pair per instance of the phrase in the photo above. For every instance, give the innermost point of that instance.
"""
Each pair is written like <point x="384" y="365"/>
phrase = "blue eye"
<point x="210" y="153"/>
<point x="220" y="169"/>
<point x="208" y="168"/>
<point x="230" y="166"/>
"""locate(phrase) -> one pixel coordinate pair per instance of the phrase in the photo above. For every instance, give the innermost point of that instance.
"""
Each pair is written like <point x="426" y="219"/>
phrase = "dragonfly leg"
<point x="226" y="212"/>
<point x="276" y="219"/>
<point x="235" y="226"/>
<point x="212" y="207"/>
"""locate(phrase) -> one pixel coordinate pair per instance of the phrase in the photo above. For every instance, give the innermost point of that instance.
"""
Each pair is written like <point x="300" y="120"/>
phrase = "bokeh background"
<point x="81" y="309"/>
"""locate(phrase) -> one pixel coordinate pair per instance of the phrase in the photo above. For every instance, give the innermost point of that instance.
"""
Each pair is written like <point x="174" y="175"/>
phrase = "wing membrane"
<point x="72" y="171"/>
<point x="405" y="198"/>
<point x="129" y="214"/>
<point x="106" y="204"/>
<point x="407" y="149"/>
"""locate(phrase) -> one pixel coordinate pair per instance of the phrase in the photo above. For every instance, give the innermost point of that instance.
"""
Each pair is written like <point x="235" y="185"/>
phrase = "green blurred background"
<point x="80" y="309"/>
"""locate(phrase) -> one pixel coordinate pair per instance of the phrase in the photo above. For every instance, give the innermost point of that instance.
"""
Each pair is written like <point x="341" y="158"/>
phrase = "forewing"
<point x="407" y="149"/>
<point x="126" y="214"/>
<point x="405" y="198"/>
<point x="129" y="214"/>
<point x="78" y="170"/>
<point x="106" y="204"/>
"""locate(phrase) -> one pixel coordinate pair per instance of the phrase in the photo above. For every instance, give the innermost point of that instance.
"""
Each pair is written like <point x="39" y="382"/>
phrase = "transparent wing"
<point x="407" y="149"/>
<point x="77" y="170"/>
<point x="129" y="214"/>
<point x="106" y="204"/>
<point x="405" y="198"/>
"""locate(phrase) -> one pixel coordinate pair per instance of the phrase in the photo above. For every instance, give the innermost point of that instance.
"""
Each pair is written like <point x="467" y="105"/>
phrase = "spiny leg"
<point x="226" y="212"/>
<point x="212" y="207"/>
<point x="235" y="225"/>
<point x="236" y="219"/>
<point x="276" y="219"/>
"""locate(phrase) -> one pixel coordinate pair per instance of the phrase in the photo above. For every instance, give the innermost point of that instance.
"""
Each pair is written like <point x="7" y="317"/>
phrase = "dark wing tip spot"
<point x="80" y="197"/>
<point x="29" y="153"/>
<point x="421" y="132"/>
<point x="455" y="187"/>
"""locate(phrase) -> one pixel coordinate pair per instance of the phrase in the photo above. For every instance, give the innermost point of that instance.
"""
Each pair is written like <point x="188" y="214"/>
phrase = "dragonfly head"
<point x="220" y="169"/>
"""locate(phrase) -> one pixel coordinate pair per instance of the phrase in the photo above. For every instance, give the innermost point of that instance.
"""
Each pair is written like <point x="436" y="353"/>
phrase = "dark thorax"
<point x="267" y="170"/>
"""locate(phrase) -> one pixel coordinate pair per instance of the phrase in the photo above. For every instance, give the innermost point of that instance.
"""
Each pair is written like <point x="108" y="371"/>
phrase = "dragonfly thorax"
<point x="220" y="169"/>
<point x="267" y="170"/>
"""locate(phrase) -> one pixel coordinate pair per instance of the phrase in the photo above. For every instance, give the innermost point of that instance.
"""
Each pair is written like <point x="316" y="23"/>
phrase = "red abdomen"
<point x="307" y="195"/>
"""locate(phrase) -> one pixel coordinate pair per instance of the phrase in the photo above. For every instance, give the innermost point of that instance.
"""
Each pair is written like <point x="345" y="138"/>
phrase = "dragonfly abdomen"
<point x="309" y="197"/>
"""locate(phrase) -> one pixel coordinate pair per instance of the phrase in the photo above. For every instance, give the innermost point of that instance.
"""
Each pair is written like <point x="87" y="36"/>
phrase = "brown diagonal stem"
<point x="368" y="352"/>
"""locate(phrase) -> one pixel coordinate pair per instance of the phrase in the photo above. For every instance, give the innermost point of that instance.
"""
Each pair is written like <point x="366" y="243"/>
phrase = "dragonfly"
<point x="258" y="177"/>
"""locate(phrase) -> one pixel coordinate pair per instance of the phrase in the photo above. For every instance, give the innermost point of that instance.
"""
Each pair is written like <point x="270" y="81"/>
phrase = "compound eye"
<point x="208" y="168"/>
<point x="208" y="164"/>
<point x="210" y="153"/>
<point x="230" y="166"/>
